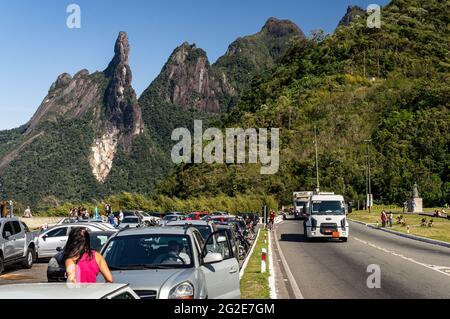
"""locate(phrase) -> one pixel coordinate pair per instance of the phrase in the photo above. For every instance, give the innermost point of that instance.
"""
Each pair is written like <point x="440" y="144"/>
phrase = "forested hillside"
<point x="390" y="85"/>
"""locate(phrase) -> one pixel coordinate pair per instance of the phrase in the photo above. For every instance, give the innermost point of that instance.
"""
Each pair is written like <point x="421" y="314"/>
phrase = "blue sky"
<point x="37" y="46"/>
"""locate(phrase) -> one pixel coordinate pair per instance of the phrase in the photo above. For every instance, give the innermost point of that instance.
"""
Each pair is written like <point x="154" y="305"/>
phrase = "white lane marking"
<point x="440" y="269"/>
<point x="293" y="282"/>
<point x="273" y="291"/>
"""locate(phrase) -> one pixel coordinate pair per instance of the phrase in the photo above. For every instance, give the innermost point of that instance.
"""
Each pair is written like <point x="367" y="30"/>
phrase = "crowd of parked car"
<point x="172" y="255"/>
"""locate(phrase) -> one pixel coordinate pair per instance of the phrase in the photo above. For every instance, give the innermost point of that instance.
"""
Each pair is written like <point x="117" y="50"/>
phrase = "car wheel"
<point x="28" y="262"/>
<point x="2" y="265"/>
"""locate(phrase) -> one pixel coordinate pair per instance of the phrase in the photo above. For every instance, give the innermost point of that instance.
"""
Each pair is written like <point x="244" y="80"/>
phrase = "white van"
<point x="326" y="217"/>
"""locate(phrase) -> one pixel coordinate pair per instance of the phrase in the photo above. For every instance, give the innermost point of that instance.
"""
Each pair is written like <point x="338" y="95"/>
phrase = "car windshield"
<point x="130" y="220"/>
<point x="204" y="230"/>
<point x="149" y="251"/>
<point x="327" y="208"/>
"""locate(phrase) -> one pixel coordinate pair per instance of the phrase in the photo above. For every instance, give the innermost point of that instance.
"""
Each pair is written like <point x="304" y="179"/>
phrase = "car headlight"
<point x="185" y="290"/>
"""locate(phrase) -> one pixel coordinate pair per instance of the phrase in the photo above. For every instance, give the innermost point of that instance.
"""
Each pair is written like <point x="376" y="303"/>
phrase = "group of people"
<point x="115" y="220"/>
<point x="79" y="213"/>
<point x="386" y="219"/>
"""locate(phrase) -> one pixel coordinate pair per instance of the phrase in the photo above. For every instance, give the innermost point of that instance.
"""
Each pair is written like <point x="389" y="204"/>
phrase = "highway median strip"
<point x="254" y="284"/>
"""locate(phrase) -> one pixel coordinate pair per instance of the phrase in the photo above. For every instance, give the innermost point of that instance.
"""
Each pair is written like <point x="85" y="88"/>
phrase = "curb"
<point x="414" y="237"/>
<point x="247" y="258"/>
<point x="273" y="291"/>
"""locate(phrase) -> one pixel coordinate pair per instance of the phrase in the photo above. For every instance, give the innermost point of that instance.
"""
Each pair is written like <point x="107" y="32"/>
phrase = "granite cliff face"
<point x="352" y="13"/>
<point x="188" y="80"/>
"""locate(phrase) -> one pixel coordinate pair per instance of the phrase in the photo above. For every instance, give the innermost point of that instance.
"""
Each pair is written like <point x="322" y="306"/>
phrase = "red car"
<point x="196" y="215"/>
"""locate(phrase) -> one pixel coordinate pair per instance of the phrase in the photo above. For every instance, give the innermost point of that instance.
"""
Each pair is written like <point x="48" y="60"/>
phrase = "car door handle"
<point x="233" y="270"/>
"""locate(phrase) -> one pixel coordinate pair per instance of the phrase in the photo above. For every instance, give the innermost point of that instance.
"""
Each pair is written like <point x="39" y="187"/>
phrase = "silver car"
<point x="67" y="291"/>
<point x="49" y="240"/>
<point x="173" y="263"/>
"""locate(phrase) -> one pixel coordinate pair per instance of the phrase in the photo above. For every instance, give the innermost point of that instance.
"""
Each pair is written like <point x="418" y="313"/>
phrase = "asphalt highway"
<point x="332" y="269"/>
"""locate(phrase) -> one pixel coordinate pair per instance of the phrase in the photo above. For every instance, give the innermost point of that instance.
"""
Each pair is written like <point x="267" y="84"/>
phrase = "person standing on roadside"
<point x="120" y="217"/>
<point x="390" y="219"/>
<point x="383" y="218"/>
<point x="271" y="219"/>
<point x="83" y="264"/>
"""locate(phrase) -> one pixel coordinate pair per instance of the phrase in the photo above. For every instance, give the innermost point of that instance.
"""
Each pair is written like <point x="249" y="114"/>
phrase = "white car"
<point x="148" y="219"/>
<point x="49" y="240"/>
<point x="130" y="222"/>
<point x="67" y="291"/>
<point x="171" y="218"/>
<point x="326" y="217"/>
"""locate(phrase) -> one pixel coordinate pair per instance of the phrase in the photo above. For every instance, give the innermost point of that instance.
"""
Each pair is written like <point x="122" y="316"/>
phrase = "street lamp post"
<point x="369" y="189"/>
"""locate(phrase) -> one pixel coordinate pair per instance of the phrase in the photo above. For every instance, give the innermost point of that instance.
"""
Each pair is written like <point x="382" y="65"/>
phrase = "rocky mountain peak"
<point x="352" y="13"/>
<point x="121" y="107"/>
<point x="281" y="28"/>
<point x="121" y="52"/>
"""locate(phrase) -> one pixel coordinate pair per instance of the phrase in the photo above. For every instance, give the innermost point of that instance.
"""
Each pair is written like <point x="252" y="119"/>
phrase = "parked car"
<point x="219" y="218"/>
<point x="204" y="227"/>
<point x="17" y="244"/>
<point x="148" y="219"/>
<point x="170" y="218"/>
<point x="56" y="270"/>
<point x="173" y="263"/>
<point x="67" y="291"/>
<point x="130" y="222"/>
<point x="219" y="213"/>
<point x="196" y="215"/>
<point x="49" y="240"/>
<point x="234" y="239"/>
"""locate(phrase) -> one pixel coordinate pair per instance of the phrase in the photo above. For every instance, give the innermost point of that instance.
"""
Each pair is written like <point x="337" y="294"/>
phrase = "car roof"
<point x="59" y="291"/>
<point x="5" y="219"/>
<point x="153" y="231"/>
<point x="188" y="222"/>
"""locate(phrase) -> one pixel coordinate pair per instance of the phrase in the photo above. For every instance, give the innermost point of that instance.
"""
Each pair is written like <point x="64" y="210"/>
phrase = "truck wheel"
<point x="344" y="239"/>
<point x="28" y="261"/>
<point x="2" y="265"/>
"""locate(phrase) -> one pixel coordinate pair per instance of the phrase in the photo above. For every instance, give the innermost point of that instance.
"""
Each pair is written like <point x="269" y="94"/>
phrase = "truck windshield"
<point x="327" y="208"/>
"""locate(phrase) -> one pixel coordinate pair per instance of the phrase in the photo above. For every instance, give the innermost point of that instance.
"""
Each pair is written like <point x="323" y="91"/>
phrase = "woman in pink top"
<point x="83" y="264"/>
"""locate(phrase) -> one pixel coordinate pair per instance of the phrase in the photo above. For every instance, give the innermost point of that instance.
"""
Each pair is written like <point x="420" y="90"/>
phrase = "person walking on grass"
<point x="383" y="218"/>
<point x="83" y="264"/>
<point x="390" y="219"/>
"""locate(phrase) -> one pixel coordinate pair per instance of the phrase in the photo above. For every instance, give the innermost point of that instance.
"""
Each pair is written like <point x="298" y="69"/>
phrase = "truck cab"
<point x="326" y="217"/>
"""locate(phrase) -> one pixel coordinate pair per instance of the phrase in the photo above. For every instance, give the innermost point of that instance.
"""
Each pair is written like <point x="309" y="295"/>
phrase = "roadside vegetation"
<point x="440" y="230"/>
<point x="254" y="284"/>
<point x="163" y="204"/>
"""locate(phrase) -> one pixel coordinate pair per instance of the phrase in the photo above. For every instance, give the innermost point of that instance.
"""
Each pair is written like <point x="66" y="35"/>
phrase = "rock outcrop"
<point x="352" y="13"/>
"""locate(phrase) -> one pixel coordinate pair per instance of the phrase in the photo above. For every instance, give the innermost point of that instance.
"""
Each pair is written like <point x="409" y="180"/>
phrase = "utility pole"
<point x="369" y="189"/>
<point x="317" y="160"/>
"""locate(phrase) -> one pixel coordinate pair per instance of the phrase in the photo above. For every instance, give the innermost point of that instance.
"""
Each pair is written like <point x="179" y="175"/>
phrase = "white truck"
<point x="301" y="203"/>
<point x="326" y="217"/>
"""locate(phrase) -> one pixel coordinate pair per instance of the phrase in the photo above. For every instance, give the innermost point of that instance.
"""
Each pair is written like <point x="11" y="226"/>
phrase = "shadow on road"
<point x="297" y="238"/>
<point x="300" y="238"/>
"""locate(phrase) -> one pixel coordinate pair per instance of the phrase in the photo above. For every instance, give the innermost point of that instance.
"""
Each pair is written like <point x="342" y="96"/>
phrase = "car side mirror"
<point x="59" y="249"/>
<point x="212" y="258"/>
<point x="7" y="234"/>
<point x="45" y="237"/>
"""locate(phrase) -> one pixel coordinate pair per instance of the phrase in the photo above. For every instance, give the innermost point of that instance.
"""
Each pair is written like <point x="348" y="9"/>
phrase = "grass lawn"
<point x="254" y="284"/>
<point x="439" y="231"/>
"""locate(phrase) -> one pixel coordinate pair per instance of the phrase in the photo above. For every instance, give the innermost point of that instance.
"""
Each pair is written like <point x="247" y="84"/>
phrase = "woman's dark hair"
<point x="78" y="243"/>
